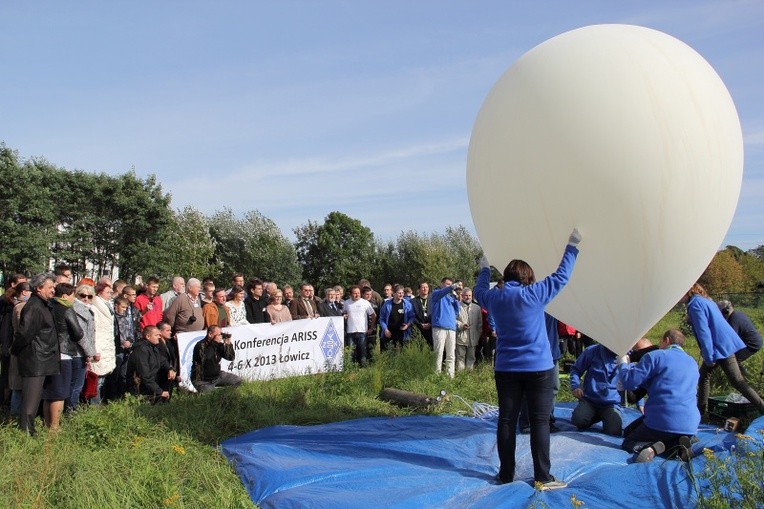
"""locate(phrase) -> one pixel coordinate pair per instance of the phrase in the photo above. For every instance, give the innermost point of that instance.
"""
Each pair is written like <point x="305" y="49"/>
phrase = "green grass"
<point x="132" y="454"/>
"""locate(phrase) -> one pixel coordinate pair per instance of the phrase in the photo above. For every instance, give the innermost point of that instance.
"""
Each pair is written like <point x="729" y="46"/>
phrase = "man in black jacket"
<point x="35" y="344"/>
<point x="205" y="368"/>
<point x="146" y="366"/>
<point x="255" y="303"/>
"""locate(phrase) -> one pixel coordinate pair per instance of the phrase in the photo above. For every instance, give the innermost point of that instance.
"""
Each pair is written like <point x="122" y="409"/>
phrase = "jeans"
<point x="524" y="423"/>
<point x="731" y="369"/>
<point x="224" y="379"/>
<point x="586" y="414"/>
<point x="742" y="355"/>
<point x="536" y="387"/>
<point x="444" y="340"/>
<point x="99" y="391"/>
<point x="359" y="340"/>
<point x="78" y="381"/>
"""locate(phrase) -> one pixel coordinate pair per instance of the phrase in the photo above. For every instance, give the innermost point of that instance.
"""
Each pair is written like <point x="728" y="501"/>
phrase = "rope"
<point x="477" y="409"/>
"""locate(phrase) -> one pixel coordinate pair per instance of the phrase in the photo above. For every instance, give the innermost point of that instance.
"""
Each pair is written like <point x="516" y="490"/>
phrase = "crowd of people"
<point x="65" y="344"/>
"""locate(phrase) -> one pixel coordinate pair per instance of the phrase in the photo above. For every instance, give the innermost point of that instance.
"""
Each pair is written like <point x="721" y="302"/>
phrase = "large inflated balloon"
<point x="627" y="134"/>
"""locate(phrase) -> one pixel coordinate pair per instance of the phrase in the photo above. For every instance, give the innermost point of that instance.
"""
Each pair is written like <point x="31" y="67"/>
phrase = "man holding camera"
<point x="205" y="367"/>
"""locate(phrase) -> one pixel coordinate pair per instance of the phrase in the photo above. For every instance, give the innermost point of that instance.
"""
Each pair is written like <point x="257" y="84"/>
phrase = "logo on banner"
<point x="331" y="342"/>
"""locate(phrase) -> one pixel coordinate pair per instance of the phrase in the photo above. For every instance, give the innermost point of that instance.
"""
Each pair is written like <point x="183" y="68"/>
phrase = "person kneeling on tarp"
<point x="671" y="418"/>
<point x="598" y="398"/>
<point x="205" y="368"/>
<point x="144" y="366"/>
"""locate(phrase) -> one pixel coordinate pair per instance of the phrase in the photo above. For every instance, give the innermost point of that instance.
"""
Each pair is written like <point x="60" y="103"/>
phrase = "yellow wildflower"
<point x="171" y="500"/>
<point x="708" y="453"/>
<point x="537" y="485"/>
<point x="137" y="441"/>
<point x="179" y="449"/>
<point x="576" y="502"/>
<point x="740" y="436"/>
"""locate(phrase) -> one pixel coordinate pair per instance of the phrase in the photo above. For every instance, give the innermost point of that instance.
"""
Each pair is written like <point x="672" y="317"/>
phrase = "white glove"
<point x="575" y="237"/>
<point x="624" y="360"/>
<point x="484" y="263"/>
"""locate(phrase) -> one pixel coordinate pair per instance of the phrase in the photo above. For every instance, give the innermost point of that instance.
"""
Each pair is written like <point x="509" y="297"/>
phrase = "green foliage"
<point x="28" y="218"/>
<point x="192" y="247"/>
<point x="339" y="251"/>
<point x="254" y="246"/>
<point x="735" y="480"/>
<point x="414" y="258"/>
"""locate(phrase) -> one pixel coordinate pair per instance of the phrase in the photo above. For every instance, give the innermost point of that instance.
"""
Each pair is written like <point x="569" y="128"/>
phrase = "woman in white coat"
<point x="104" y="337"/>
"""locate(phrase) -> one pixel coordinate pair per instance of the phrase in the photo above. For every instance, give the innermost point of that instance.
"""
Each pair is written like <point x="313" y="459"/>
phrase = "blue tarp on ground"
<point x="447" y="461"/>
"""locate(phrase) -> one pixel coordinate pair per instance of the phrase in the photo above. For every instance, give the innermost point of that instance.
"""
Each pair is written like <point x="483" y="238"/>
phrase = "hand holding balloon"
<point x="575" y="237"/>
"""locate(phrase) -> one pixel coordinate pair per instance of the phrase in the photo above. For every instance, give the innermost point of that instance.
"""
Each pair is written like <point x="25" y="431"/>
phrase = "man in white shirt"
<point x="361" y="318"/>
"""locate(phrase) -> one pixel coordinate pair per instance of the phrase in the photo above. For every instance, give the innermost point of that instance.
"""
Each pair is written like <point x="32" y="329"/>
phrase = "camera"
<point x="192" y="319"/>
<point x="226" y="335"/>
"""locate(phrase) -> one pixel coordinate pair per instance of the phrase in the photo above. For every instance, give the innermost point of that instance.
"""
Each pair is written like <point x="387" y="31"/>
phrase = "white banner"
<point x="265" y="351"/>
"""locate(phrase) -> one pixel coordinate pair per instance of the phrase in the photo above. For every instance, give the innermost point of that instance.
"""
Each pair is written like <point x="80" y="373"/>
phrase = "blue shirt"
<point x="716" y="339"/>
<point x="408" y="316"/>
<point x="599" y="386"/>
<point x="670" y="377"/>
<point x="522" y="343"/>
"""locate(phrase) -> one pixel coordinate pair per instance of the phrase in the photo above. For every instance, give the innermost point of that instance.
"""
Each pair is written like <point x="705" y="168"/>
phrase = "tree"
<point x="254" y="246"/>
<point x="193" y="247"/>
<point x="27" y="222"/>
<point x="415" y="257"/>
<point x="724" y="274"/>
<point x="339" y="251"/>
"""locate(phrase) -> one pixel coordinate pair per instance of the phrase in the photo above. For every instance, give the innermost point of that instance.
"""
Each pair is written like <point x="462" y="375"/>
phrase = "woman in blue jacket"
<point x="718" y="344"/>
<point x="524" y="365"/>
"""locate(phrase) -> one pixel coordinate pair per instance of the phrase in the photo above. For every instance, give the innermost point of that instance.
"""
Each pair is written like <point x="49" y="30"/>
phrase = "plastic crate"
<point x="724" y="407"/>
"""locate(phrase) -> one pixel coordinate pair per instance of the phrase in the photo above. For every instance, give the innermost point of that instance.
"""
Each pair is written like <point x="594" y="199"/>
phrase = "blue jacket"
<point x="445" y="307"/>
<point x="670" y="377"/>
<point x="554" y="338"/>
<point x="522" y="343"/>
<point x="599" y="386"/>
<point x="716" y="339"/>
<point x="408" y="316"/>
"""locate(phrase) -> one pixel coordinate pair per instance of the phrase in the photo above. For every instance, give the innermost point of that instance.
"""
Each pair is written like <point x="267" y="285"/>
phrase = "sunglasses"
<point x="85" y="296"/>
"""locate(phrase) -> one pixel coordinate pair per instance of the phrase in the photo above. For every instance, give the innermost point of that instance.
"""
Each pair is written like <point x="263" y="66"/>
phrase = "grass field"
<point x="131" y="454"/>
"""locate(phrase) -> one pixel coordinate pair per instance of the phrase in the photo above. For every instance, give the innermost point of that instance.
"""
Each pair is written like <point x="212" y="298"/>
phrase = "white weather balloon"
<point x="627" y="134"/>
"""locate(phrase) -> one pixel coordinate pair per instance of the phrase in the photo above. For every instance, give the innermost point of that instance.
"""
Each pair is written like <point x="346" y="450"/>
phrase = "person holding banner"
<point x="205" y="368"/>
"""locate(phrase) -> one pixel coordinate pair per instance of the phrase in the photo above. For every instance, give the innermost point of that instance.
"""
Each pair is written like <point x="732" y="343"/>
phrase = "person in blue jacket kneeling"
<point x="671" y="418"/>
<point x="598" y="398"/>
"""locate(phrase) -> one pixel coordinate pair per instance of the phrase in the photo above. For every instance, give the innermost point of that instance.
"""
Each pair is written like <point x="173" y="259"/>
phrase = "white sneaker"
<point x="554" y="484"/>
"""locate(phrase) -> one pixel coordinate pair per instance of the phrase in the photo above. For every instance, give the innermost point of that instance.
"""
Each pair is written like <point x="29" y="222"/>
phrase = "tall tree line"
<point x="95" y="222"/>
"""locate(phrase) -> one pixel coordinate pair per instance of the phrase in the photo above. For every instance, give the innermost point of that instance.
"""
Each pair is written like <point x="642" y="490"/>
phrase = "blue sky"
<point x="300" y="108"/>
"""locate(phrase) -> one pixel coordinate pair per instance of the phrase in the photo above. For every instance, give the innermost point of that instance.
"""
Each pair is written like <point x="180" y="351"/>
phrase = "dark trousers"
<point x="536" y="387"/>
<point x="31" y="395"/>
<point x="637" y="436"/>
<point x="224" y="379"/>
<point x="731" y="369"/>
<point x="741" y="356"/>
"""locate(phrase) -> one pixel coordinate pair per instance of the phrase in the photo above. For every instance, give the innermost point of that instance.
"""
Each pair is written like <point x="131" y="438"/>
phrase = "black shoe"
<point x="685" y="448"/>
<point x="650" y="452"/>
<point x="554" y="429"/>
<point x="498" y="480"/>
<point x="525" y="430"/>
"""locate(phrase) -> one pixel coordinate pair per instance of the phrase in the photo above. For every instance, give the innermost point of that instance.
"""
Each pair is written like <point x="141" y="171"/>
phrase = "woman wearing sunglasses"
<point x="86" y="347"/>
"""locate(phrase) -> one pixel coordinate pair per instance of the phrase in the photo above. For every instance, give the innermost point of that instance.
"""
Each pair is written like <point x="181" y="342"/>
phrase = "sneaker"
<point x="685" y="448"/>
<point x="554" y="484"/>
<point x="649" y="453"/>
